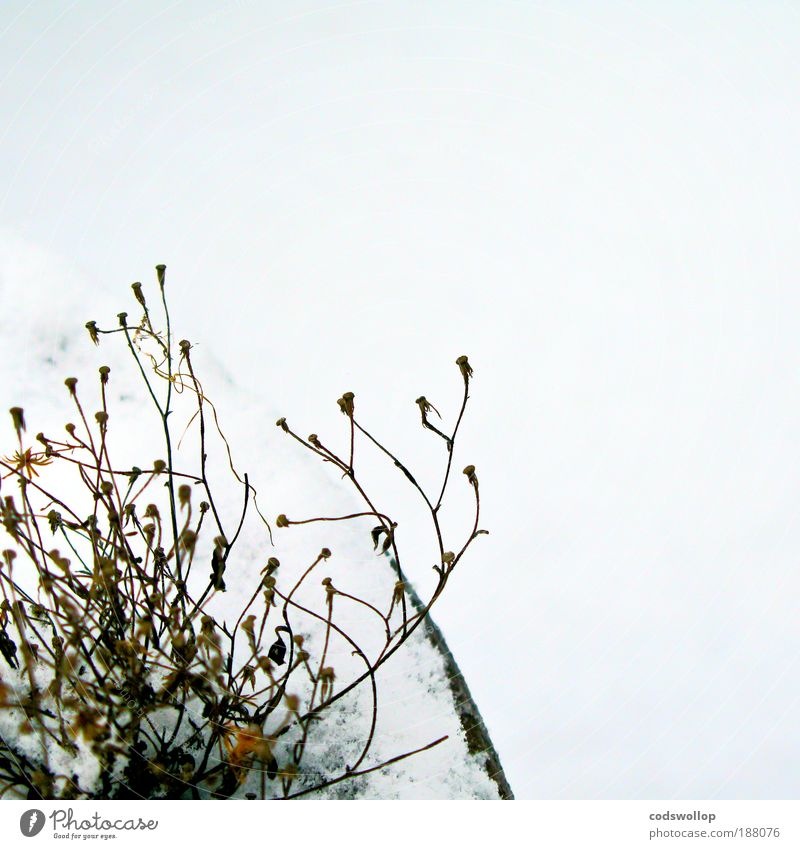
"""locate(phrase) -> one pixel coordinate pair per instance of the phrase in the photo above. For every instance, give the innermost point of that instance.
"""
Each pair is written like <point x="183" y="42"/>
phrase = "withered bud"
<point x="184" y="494"/>
<point x="18" y="418"/>
<point x="282" y="521"/>
<point x="137" y="290"/>
<point x="466" y="369"/>
<point x="71" y="383"/>
<point x="299" y="639"/>
<point x="70" y="428"/>
<point x="159" y="466"/>
<point x="469" y="471"/>
<point x="161" y="271"/>
<point x="346" y="404"/>
<point x="325" y="553"/>
<point x="281" y="423"/>
<point x="189" y="539"/>
<point x="91" y="326"/>
<point x="106" y="487"/>
<point x="101" y="417"/>
<point x="104" y="372"/>
<point x="314" y="440"/>
<point x="448" y="557"/>
<point x="123" y="319"/>
<point x="292" y="701"/>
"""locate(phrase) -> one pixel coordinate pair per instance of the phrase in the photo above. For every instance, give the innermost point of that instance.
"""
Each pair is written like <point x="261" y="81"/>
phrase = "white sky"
<point x="598" y="203"/>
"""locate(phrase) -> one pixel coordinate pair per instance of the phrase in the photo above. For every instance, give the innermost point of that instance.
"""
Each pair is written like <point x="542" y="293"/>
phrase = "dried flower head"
<point x="346" y="403"/>
<point x="137" y="291"/>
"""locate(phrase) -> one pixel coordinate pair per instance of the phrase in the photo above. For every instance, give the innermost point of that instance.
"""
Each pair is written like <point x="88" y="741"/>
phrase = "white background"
<point x="598" y="203"/>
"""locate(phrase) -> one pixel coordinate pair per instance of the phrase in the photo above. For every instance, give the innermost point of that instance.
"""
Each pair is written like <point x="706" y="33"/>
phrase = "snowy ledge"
<point x="422" y="692"/>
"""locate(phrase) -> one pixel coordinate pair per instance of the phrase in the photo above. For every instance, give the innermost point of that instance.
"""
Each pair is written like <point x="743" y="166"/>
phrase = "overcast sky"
<point x="598" y="203"/>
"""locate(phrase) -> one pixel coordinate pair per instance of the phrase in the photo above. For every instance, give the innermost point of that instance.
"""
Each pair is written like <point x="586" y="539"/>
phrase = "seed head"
<point x="466" y="369"/>
<point x="137" y="291"/>
<point x="346" y="403"/>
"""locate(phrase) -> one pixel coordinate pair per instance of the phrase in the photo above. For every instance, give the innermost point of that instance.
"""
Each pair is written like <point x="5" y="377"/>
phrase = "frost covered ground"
<point x="44" y="341"/>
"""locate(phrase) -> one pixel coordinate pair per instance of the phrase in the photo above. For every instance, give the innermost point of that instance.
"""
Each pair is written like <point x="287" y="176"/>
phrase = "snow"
<point x="416" y="702"/>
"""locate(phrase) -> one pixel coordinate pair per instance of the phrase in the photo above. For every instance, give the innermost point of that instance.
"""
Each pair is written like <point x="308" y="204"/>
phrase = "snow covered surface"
<point x="43" y="341"/>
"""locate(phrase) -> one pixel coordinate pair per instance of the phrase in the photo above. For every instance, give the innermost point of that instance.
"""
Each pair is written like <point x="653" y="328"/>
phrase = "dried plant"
<point x="115" y="648"/>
